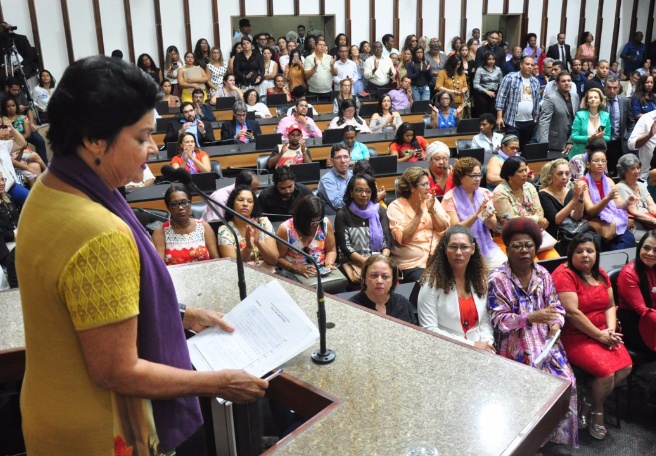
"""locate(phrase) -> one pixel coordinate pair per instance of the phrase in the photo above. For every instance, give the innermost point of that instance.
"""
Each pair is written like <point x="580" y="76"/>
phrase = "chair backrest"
<point x="420" y="107"/>
<point x="463" y="144"/>
<point x="372" y="152"/>
<point x="613" y="274"/>
<point x="171" y="149"/>
<point x="332" y="136"/>
<point x="225" y="102"/>
<point x="419" y="128"/>
<point x="427" y="121"/>
<point x="367" y="109"/>
<point x="262" y="161"/>
<point x="197" y="209"/>
<point x="276" y="99"/>
<point x="478" y="154"/>
<point x="269" y="141"/>
<point x="538" y="151"/>
<point x="612" y="260"/>
<point x="396" y="187"/>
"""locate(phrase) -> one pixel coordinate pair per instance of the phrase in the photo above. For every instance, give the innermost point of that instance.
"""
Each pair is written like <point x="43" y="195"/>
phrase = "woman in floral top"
<point x="256" y="247"/>
<point x="516" y="197"/>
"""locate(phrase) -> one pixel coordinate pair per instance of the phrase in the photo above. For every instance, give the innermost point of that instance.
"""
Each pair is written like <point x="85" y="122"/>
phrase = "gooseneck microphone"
<point x="323" y="355"/>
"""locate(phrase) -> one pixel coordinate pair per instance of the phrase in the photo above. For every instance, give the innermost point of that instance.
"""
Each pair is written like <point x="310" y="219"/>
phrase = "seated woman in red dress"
<point x="636" y="306"/>
<point x="190" y="156"/>
<point x="407" y="146"/>
<point x="183" y="239"/>
<point x="439" y="171"/>
<point x="589" y="335"/>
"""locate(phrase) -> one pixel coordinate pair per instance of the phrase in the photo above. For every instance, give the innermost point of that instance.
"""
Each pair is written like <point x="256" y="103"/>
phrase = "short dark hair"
<point x="521" y="225"/>
<point x="371" y="183"/>
<point x="363" y="167"/>
<point x="524" y="57"/>
<point x="117" y="53"/>
<point x="245" y="178"/>
<point x="386" y="38"/>
<point x="565" y="73"/>
<point x="306" y="209"/>
<point x="282" y="174"/>
<point x="336" y="148"/>
<point x="487" y="117"/>
<point x="195" y="91"/>
<point x="3" y="108"/>
<point x="184" y="105"/>
<point x="510" y="167"/>
<point x="96" y="98"/>
<point x="579" y="239"/>
<point x="176" y="188"/>
<point x="233" y="196"/>
<point x="375" y="259"/>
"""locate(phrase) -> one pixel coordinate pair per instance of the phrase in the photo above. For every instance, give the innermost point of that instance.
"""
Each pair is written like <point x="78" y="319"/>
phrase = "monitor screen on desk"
<point x="419" y="128"/>
<point x="384" y="164"/>
<point x="270" y="141"/>
<point x="307" y="173"/>
<point x="225" y="102"/>
<point x="468" y="126"/>
<point x="420" y="107"/>
<point x="205" y="181"/>
<point x="333" y="136"/>
<point x="171" y="149"/>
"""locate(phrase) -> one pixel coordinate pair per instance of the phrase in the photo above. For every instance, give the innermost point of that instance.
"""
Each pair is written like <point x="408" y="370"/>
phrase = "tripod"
<point x="9" y="56"/>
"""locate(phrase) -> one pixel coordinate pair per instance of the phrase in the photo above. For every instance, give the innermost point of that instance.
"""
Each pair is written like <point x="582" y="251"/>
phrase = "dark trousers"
<point x="483" y="103"/>
<point x="411" y="275"/>
<point x="523" y="130"/>
<point x="613" y="154"/>
<point x="319" y="96"/>
<point x="39" y="144"/>
<point x="373" y="88"/>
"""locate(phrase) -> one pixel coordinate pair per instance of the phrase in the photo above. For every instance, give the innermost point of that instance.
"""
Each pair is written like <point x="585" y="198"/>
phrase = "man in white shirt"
<point x="378" y="70"/>
<point x="388" y="45"/>
<point x="319" y="70"/>
<point x="643" y="138"/>
<point x="244" y="31"/>
<point x="346" y="68"/>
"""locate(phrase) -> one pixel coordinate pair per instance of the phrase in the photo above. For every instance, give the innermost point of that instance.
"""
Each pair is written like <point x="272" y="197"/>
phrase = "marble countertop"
<point x="399" y="385"/>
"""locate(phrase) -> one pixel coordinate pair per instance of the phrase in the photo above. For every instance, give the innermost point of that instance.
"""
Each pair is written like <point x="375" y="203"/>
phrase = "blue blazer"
<point x="580" y="130"/>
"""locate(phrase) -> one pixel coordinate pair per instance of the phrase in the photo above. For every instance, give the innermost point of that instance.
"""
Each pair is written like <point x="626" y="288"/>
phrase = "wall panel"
<point x="83" y="29"/>
<point x="143" y="28"/>
<point x="53" y="43"/>
<point x="18" y="13"/>
<point x="534" y="19"/>
<point x="553" y="25"/>
<point x="408" y="20"/>
<point x="451" y="24"/>
<point x="383" y="15"/>
<point x="431" y="10"/>
<point x="515" y="6"/>
<point x="591" y="8"/>
<point x="306" y="7"/>
<point x="200" y="17"/>
<point x="259" y="7"/>
<point x="227" y="9"/>
<point x="572" y="28"/>
<point x="113" y="24"/>
<point x="359" y="21"/>
<point x="474" y="18"/>
<point x="283" y="7"/>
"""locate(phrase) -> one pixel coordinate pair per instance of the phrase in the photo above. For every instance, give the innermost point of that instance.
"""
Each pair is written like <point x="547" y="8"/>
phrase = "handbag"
<point x="548" y="242"/>
<point x="570" y="228"/>
<point x="335" y="282"/>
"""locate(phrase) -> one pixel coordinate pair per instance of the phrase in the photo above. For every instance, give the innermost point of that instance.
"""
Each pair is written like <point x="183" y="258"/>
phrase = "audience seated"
<point x="299" y="117"/>
<point x="636" y="302"/>
<point x="407" y="146"/>
<point x="183" y="239"/>
<point x="562" y="203"/>
<point x="240" y="128"/>
<point x="191" y="76"/>
<point x="253" y="103"/>
<point x="345" y="93"/>
<point x="439" y="170"/>
<point x="23" y="124"/>
<point x="526" y="311"/>
<point x="416" y="218"/>
<point x="488" y="139"/>
<point x="361" y="227"/>
<point x="279" y="87"/>
<point x="42" y="93"/>
<point x="469" y="205"/>
<point x="357" y="150"/>
<point x="12" y="141"/>
<point x="591" y="337"/>
<point x="203" y="111"/>
<point x="515" y="197"/>
<point x="278" y="200"/>
<point x="187" y="122"/>
<point x="348" y="116"/>
<point x="644" y="209"/>
<point x="509" y="148"/>
<point x="605" y="208"/>
<point x="453" y="296"/>
<point x="229" y="89"/>
<point x="244" y="178"/>
<point x="444" y="115"/>
<point x="332" y="184"/>
<point x="379" y="279"/>
<point x="402" y="97"/>
<point x="190" y="156"/>
<point x="291" y="152"/>
<point x="256" y="248"/>
<point x="386" y="119"/>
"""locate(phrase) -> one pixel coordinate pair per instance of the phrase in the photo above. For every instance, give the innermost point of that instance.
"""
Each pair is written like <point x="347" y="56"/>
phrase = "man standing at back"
<point x="346" y="68"/>
<point x="561" y="51"/>
<point x="557" y="115"/>
<point x="378" y="70"/>
<point x="388" y="45"/>
<point x="600" y="78"/>
<point x="620" y="122"/>
<point x="518" y="102"/>
<point x="493" y="47"/>
<point x="244" y="31"/>
<point x="319" y="70"/>
<point x="633" y="53"/>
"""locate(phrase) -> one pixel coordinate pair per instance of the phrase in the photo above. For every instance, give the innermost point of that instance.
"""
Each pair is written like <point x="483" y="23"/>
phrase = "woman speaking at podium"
<point x="107" y="364"/>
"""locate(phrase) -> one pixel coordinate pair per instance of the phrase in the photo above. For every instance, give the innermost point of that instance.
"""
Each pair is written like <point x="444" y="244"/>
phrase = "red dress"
<point x="582" y="350"/>
<point x="435" y="188"/>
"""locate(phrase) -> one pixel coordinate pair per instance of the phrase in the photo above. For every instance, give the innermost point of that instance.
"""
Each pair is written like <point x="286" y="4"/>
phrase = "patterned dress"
<point x="185" y="248"/>
<point x="517" y="339"/>
<point x="226" y="238"/>
<point x="216" y="76"/>
<point x="316" y="248"/>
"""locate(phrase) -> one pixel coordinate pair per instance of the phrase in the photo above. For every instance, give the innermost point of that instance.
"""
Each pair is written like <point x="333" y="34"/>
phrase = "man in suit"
<point x="189" y="122"/>
<point x="560" y="51"/>
<point x="493" y="47"/>
<point x="620" y="120"/>
<point x="557" y="115"/>
<point x="240" y="129"/>
<point x="600" y="78"/>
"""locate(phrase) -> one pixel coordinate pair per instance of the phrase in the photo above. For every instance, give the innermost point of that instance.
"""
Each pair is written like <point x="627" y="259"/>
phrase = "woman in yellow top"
<point x="190" y="77"/>
<point x="453" y="79"/>
<point x="108" y="368"/>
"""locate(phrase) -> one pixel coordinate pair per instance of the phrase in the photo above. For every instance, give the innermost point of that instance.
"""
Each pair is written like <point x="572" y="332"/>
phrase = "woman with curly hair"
<point x="406" y="145"/>
<point x="147" y="64"/>
<point x="526" y="312"/>
<point x="644" y="99"/>
<point x="453" y="79"/>
<point x="453" y="296"/>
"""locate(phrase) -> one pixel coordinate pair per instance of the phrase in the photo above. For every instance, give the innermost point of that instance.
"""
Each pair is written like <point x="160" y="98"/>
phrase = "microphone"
<point x="323" y="355"/>
<point x="183" y="176"/>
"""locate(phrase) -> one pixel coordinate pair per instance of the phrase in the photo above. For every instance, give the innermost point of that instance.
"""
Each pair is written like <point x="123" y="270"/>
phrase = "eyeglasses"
<point x="599" y="162"/>
<point x="464" y="248"/>
<point x="360" y="191"/>
<point x="315" y="222"/>
<point x="341" y="157"/>
<point x="445" y="99"/>
<point x="413" y="41"/>
<point x="181" y="203"/>
<point x="4" y="179"/>
<point x="475" y="176"/>
<point x="519" y="247"/>
<point x="424" y="184"/>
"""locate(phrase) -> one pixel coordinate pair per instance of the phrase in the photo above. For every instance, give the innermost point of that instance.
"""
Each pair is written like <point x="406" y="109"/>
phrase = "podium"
<point x="392" y="385"/>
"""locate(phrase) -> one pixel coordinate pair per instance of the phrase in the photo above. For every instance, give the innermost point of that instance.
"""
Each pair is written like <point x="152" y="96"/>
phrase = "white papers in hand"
<point x="547" y="348"/>
<point x="270" y="329"/>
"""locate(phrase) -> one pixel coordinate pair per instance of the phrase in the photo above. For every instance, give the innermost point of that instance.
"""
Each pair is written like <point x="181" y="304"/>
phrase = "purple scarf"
<point x="375" y="227"/>
<point x="610" y="213"/>
<point x="160" y="336"/>
<point x="465" y="209"/>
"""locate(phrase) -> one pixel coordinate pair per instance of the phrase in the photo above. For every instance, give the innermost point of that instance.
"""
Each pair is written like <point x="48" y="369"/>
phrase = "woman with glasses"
<point x="444" y="115"/>
<point x="406" y="145"/>
<point x="471" y="206"/>
<point x="516" y="197"/>
<point x="591" y="335"/>
<point x="416" y="218"/>
<point x="439" y="170"/>
<point x="256" y="248"/>
<point x="591" y="122"/>
<point x="379" y="279"/>
<point x="183" y="239"/>
<point x="361" y="226"/>
<point x="509" y="148"/>
<point x="453" y="296"/>
<point x="605" y="208"/>
<point x="526" y="312"/>
<point x="644" y="211"/>
<point x="345" y="93"/>
<point x="191" y="157"/>
<point x="348" y="116"/>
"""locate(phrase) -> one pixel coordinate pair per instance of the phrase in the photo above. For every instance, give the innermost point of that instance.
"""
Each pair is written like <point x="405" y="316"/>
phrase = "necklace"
<point x="587" y="276"/>
<point x="594" y="116"/>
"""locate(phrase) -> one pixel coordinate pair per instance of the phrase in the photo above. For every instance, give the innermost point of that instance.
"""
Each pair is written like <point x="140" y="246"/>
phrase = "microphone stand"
<point x="322" y="356"/>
